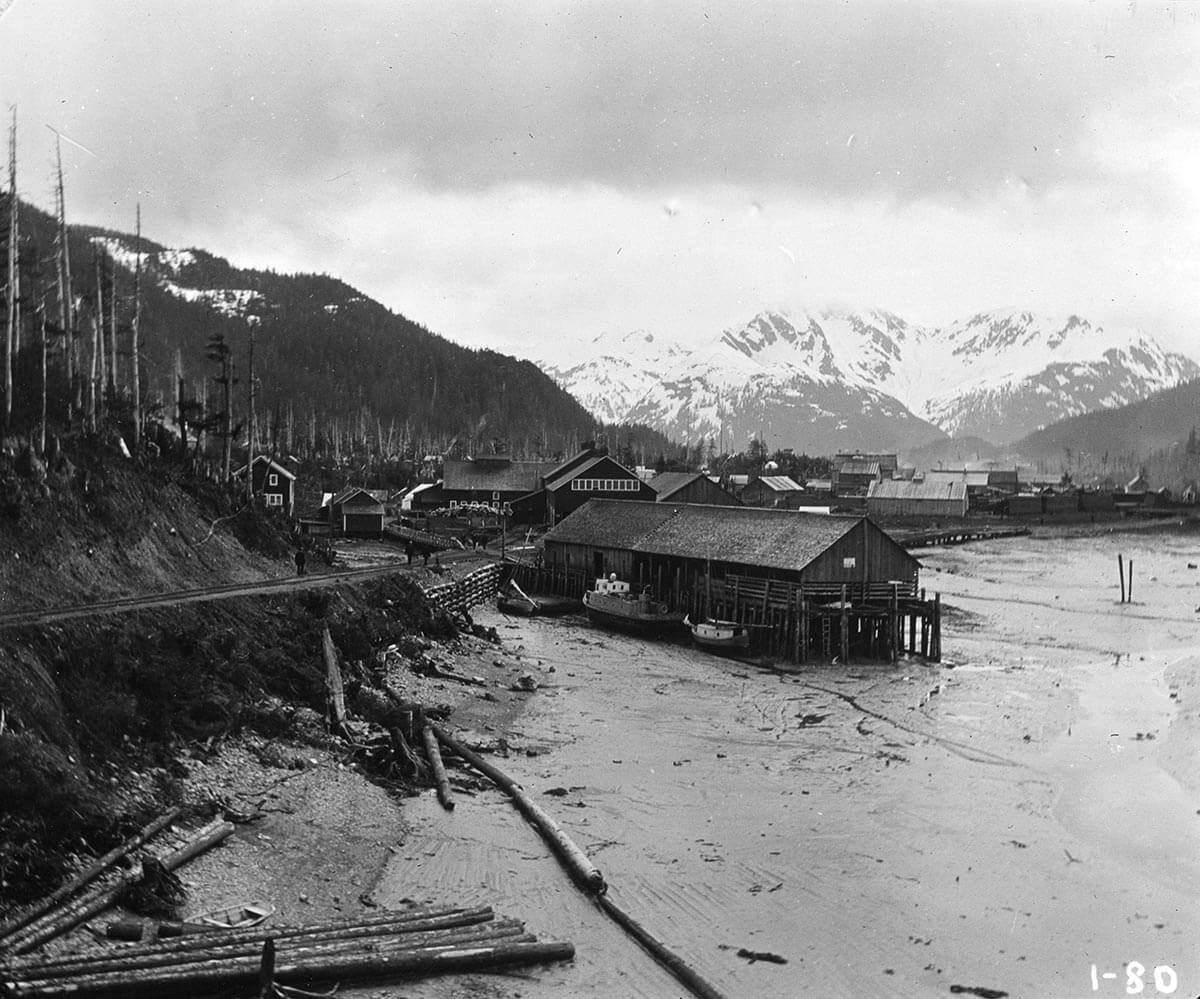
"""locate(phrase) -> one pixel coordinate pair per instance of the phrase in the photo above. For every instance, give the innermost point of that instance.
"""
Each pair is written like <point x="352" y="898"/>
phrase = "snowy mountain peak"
<point x="998" y="374"/>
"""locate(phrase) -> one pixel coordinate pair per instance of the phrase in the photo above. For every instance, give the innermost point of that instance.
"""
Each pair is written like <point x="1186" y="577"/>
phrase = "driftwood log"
<point x="434" y="755"/>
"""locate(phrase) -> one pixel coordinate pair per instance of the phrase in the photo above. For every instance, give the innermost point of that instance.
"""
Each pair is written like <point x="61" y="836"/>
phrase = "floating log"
<point x="577" y="863"/>
<point x="68" y="916"/>
<point x="243" y="973"/>
<point x="87" y="876"/>
<point x="439" y="770"/>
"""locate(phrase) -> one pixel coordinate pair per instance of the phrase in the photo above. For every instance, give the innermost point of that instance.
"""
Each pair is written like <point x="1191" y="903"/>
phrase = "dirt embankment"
<point x="103" y="719"/>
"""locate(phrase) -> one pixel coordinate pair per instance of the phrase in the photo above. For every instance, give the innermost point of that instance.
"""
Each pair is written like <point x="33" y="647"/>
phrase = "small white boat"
<point x="719" y="636"/>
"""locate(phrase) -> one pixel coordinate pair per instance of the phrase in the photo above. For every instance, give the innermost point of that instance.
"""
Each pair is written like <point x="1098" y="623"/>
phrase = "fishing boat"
<point x="719" y="636"/>
<point x="612" y="603"/>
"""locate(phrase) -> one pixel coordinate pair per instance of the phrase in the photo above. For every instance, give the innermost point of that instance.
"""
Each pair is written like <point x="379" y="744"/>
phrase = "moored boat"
<point x="612" y="603"/>
<point x="719" y="636"/>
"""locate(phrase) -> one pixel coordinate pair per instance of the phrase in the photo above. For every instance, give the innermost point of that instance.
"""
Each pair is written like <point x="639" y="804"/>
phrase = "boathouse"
<point x="816" y="586"/>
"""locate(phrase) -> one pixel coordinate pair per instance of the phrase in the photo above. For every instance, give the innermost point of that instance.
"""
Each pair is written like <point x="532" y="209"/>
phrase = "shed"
<point x="667" y="542"/>
<point x="691" y="487"/>
<point x="852" y="478"/>
<point x="898" y="498"/>
<point x="355" y="512"/>
<point x="770" y="490"/>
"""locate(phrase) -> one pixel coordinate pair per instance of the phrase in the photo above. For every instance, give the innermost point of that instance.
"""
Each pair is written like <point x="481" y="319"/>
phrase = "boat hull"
<point x="641" y="616"/>
<point x="725" y="637"/>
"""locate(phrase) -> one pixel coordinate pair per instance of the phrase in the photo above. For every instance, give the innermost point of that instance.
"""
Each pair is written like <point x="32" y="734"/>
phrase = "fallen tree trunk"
<point x="581" y="869"/>
<point x="86" y="877"/>
<point x="68" y="916"/>
<point x="439" y="770"/>
<point x="226" y="975"/>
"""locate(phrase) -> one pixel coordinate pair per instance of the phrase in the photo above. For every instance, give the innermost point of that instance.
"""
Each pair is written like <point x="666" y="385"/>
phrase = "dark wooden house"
<point x="587" y="476"/>
<point x="491" y="479"/>
<point x="854" y="477"/>
<point x="691" y="487"/>
<point x="274" y="483"/>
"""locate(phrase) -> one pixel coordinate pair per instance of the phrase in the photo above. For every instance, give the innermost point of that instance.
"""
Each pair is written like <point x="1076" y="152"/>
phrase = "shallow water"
<point x="1004" y="820"/>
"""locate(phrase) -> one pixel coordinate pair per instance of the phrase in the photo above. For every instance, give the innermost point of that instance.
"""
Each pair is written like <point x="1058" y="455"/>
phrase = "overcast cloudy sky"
<point x="528" y="175"/>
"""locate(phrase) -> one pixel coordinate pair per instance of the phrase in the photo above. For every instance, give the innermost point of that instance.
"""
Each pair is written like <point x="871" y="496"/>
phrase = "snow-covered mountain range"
<point x="831" y="379"/>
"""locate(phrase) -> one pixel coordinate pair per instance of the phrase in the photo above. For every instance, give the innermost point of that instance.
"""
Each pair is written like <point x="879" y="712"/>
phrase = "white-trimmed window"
<point x="272" y="479"/>
<point x="274" y="499"/>
<point x="606" y="485"/>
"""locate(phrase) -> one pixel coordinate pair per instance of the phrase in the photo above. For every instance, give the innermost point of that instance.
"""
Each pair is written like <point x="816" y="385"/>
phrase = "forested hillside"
<point x="332" y="367"/>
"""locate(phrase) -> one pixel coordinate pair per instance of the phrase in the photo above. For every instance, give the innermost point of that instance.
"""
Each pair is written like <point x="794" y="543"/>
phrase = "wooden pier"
<point x="957" y="535"/>
<point x="796" y="622"/>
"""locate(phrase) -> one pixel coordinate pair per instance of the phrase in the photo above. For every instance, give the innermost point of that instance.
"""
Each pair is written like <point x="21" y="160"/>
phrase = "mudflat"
<point x="1022" y="818"/>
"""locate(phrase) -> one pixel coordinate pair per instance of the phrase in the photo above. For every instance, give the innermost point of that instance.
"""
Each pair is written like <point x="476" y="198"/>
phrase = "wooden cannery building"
<point x="817" y="587"/>
<point x="898" y="498"/>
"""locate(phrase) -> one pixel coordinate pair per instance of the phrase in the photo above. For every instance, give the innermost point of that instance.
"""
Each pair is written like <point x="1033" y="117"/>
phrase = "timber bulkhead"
<point x="816" y="587"/>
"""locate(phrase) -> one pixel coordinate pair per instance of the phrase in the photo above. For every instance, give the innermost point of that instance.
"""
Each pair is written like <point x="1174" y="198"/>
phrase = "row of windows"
<point x="274" y="499"/>
<point x="606" y="485"/>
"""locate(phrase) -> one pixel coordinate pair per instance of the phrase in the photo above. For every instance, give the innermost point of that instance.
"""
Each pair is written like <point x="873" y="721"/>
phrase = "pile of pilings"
<point x="389" y="945"/>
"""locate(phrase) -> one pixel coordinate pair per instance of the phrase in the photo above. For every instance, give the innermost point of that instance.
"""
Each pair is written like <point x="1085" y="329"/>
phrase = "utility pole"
<point x="134" y="346"/>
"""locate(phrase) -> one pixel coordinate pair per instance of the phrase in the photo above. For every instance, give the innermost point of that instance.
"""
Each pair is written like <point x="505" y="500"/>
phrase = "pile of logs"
<point x="388" y="945"/>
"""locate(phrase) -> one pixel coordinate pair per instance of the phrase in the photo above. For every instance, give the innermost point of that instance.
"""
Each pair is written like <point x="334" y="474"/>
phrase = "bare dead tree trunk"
<point x="74" y="385"/>
<point x="251" y="428"/>
<point x="114" y="376"/>
<point x="99" y="367"/>
<point x="10" y="329"/>
<point x="135" y="346"/>
<point x="42" y="418"/>
<point x="225" y="463"/>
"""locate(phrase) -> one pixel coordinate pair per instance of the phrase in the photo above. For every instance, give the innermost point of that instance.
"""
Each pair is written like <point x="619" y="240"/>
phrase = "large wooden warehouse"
<point x="775" y="568"/>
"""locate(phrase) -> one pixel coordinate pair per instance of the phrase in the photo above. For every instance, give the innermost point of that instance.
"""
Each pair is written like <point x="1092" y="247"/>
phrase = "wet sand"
<point x="1006" y="819"/>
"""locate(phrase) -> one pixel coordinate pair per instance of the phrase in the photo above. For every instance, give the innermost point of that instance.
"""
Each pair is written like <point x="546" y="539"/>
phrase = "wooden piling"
<point x="1121" y="574"/>
<point x="1130" y="581"/>
<point x="844" y="631"/>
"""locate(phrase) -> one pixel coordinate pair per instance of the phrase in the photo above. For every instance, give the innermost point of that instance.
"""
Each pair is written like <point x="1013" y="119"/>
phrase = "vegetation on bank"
<point x="94" y="711"/>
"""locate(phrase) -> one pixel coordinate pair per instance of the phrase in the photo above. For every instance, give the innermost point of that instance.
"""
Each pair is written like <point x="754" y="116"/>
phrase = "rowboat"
<point x="611" y="603"/>
<point x="719" y="636"/>
<point x="236" y="917"/>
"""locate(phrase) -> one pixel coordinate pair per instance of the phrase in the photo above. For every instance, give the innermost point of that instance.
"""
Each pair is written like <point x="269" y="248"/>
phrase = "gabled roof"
<point x="272" y="464"/>
<point x="903" y="489"/>
<point x="578" y="471"/>
<point x="666" y="483"/>
<point x="777" y="539"/>
<point x="780" y="483"/>
<point x="356" y="495"/>
<point x="503" y="476"/>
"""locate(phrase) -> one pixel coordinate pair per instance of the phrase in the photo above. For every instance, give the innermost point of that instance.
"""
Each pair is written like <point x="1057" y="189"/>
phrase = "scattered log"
<point x="87" y="876"/>
<point x="658" y="950"/>
<point x="335" y="696"/>
<point x="245" y="973"/>
<point x="381" y="938"/>
<point x="581" y="869"/>
<point x="414" y="921"/>
<point x="71" y="914"/>
<point x="439" y="770"/>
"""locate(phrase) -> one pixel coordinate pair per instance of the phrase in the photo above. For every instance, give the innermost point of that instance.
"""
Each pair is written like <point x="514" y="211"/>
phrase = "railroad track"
<point x="145" y="601"/>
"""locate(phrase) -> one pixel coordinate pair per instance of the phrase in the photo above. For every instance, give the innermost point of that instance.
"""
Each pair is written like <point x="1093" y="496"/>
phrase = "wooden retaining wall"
<point x="796" y="622"/>
<point x="460" y="595"/>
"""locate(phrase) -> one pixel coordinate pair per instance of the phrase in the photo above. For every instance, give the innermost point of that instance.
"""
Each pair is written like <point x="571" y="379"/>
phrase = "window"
<point x="272" y="480"/>
<point x="605" y="485"/>
<point x="274" y="499"/>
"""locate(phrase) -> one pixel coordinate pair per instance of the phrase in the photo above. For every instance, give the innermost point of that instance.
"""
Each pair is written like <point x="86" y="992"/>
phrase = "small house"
<point x="771" y="491"/>
<point x="274" y="483"/>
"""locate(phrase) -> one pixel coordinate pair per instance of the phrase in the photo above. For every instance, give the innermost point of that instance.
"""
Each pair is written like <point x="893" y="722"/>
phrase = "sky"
<point x="526" y="176"/>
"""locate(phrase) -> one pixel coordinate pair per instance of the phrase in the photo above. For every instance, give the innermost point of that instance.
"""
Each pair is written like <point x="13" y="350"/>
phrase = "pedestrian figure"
<point x="408" y="550"/>
<point x="300" y="560"/>
<point x="426" y="553"/>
